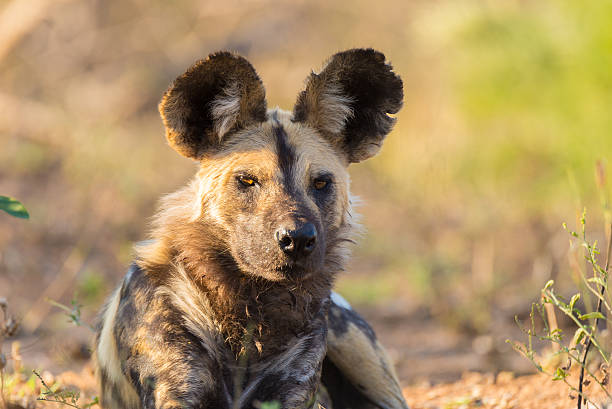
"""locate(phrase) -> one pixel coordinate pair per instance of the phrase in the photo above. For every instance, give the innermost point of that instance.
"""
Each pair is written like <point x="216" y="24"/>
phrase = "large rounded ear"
<point x="348" y="102"/>
<point x="213" y="98"/>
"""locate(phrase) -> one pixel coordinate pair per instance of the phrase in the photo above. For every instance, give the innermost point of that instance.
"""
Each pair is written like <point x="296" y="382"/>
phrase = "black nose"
<point x="297" y="243"/>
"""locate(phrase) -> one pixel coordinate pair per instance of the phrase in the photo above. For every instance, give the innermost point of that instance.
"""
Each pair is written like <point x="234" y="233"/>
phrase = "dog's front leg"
<point x="177" y="378"/>
<point x="151" y="356"/>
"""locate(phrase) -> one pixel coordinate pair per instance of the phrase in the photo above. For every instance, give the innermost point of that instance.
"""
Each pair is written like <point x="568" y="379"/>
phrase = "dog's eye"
<point x="247" y="181"/>
<point x="320" y="184"/>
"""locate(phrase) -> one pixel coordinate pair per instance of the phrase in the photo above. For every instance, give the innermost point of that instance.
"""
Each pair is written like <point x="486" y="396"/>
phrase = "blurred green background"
<point x="507" y="109"/>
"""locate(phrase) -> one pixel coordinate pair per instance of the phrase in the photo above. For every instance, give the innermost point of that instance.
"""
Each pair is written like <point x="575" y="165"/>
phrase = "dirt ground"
<point x="503" y="391"/>
<point x="473" y="390"/>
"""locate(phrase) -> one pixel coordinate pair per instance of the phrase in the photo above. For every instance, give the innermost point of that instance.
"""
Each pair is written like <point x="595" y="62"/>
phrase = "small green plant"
<point x="593" y="281"/>
<point x="72" y="311"/>
<point x="586" y="334"/>
<point x="53" y="394"/>
<point x="9" y="327"/>
<point x="63" y="396"/>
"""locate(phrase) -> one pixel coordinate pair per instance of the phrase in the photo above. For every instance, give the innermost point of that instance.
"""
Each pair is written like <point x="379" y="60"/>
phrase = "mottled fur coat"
<point x="230" y="302"/>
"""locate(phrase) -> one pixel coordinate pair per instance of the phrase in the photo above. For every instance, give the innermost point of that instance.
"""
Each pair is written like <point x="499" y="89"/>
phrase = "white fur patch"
<point x="225" y="109"/>
<point x="195" y="308"/>
<point x="340" y="301"/>
<point x="206" y="185"/>
<point x="107" y="357"/>
<point x="336" y="109"/>
<point x="107" y="351"/>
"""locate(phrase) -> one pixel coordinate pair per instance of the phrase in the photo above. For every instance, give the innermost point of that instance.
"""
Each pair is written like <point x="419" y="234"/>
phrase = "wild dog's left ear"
<point x="349" y="102"/>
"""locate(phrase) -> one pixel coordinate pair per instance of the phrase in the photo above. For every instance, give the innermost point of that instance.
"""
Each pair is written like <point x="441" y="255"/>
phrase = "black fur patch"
<point x="371" y="90"/>
<point x="340" y="318"/>
<point x="342" y="392"/>
<point x="286" y="155"/>
<point x="187" y="106"/>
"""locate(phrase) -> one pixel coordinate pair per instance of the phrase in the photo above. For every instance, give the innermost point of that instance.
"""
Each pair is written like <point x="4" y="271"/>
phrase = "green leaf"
<point x="591" y="315"/>
<point x="549" y="284"/>
<point x="270" y="405"/>
<point x="95" y="401"/>
<point x="559" y="375"/>
<point x="13" y="207"/>
<point x="572" y="302"/>
<point x="578" y="336"/>
<point x="597" y="280"/>
<point x="556" y="334"/>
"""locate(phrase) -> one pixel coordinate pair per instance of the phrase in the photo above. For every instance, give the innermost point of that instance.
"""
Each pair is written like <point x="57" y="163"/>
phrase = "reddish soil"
<point x="473" y="390"/>
<point x="503" y="391"/>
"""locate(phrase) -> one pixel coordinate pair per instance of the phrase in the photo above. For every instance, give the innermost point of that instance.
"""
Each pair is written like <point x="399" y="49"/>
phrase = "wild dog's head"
<point x="274" y="184"/>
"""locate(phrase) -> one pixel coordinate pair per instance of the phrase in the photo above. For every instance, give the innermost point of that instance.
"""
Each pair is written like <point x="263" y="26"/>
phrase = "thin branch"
<point x="58" y="401"/>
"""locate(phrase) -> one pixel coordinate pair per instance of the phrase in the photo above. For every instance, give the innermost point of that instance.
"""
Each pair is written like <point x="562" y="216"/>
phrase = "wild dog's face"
<point x="280" y="194"/>
<point x="275" y="183"/>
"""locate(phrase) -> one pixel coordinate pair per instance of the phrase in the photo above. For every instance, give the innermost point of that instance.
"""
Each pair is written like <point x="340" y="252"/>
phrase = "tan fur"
<point x="365" y="363"/>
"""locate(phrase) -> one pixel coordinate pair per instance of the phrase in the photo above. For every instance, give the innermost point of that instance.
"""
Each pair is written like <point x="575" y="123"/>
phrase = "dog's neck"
<point x="256" y="316"/>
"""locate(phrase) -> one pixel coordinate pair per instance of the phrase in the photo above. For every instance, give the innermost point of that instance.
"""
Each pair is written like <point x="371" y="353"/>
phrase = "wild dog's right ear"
<point x="214" y="97"/>
<point x="348" y="102"/>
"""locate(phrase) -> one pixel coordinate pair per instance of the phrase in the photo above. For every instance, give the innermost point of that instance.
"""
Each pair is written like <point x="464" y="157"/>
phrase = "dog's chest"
<point x="293" y="374"/>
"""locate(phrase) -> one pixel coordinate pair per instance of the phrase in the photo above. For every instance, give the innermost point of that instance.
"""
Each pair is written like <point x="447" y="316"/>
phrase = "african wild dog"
<point x="230" y="302"/>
